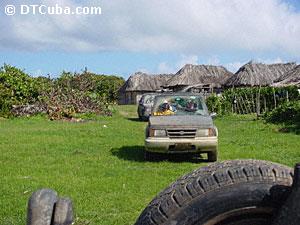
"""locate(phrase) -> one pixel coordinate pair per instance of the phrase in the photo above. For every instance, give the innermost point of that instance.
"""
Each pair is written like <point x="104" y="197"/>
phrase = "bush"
<point x="288" y="113"/>
<point x="16" y="88"/>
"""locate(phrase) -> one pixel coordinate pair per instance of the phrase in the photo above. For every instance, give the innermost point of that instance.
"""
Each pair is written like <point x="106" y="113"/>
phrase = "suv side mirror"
<point x="213" y="115"/>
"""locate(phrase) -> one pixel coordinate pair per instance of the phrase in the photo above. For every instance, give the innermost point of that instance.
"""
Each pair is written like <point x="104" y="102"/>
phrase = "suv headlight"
<point x="206" y="132"/>
<point x="157" y="133"/>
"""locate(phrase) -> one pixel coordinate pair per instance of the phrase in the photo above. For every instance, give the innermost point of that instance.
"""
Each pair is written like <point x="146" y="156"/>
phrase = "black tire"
<point x="41" y="207"/>
<point x="235" y="192"/>
<point x="63" y="212"/>
<point x="212" y="156"/>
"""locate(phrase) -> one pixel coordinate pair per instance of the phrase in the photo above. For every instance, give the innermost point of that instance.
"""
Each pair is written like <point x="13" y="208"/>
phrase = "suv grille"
<point x="182" y="133"/>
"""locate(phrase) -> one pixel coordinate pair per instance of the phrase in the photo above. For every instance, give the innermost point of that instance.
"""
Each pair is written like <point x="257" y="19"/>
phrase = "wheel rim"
<point x="243" y="216"/>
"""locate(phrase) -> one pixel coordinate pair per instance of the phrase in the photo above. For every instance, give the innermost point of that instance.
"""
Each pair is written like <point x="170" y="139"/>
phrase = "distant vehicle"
<point x="145" y="106"/>
<point x="180" y="123"/>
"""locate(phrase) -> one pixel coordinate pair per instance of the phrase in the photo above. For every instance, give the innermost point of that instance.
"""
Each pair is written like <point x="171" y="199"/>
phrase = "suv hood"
<point x="182" y="121"/>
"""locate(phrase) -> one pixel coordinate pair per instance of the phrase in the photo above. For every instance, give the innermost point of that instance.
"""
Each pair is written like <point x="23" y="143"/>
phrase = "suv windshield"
<point x="169" y="105"/>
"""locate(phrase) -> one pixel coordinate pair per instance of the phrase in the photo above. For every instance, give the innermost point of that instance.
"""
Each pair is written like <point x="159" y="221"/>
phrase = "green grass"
<point x="100" y="165"/>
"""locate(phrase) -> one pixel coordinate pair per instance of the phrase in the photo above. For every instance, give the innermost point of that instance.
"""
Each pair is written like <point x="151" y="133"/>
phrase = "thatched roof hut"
<point x="140" y="83"/>
<point x="199" y="74"/>
<point x="258" y="74"/>
<point x="290" y="78"/>
<point x="146" y="82"/>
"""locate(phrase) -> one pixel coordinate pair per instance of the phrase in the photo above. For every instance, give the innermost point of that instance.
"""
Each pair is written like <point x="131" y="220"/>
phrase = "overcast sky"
<point x="154" y="36"/>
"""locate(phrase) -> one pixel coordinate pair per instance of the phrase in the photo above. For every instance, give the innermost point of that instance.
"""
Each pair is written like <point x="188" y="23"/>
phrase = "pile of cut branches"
<point x="68" y="96"/>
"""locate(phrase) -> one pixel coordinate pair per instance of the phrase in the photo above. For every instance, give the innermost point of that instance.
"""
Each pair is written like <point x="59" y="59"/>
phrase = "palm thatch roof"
<point x="145" y="82"/>
<point x="259" y="74"/>
<point x="200" y="74"/>
<point x="290" y="78"/>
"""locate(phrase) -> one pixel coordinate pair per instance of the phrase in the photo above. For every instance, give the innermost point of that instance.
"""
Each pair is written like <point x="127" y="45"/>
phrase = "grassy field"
<point x="100" y="164"/>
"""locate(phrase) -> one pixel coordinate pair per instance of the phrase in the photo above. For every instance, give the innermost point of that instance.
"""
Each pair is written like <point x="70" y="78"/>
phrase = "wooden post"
<point x="239" y="105"/>
<point x="274" y="95"/>
<point x="265" y="103"/>
<point x="258" y="102"/>
<point x="235" y="104"/>
<point x="244" y="105"/>
<point x="247" y="104"/>
<point x="239" y="102"/>
<point x="253" y="103"/>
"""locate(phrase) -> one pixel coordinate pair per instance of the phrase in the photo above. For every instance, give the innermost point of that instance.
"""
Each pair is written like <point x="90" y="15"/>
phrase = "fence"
<point x="257" y="100"/>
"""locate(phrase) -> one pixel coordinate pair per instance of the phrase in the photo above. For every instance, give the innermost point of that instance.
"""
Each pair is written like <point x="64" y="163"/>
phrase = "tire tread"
<point x="206" y="179"/>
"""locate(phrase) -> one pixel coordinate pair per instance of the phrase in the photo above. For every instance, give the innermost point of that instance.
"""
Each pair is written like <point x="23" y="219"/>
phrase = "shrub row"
<point x="288" y="113"/>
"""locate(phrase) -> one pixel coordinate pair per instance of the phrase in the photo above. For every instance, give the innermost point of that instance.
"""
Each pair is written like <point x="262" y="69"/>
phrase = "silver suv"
<point x="181" y="123"/>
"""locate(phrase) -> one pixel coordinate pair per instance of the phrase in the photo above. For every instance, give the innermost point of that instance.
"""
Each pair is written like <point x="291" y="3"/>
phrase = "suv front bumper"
<point x="181" y="145"/>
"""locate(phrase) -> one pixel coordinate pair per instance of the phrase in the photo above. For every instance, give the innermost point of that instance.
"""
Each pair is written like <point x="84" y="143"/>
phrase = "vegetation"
<point x="287" y="114"/>
<point x="105" y="86"/>
<point x="100" y="164"/>
<point x="251" y="100"/>
<point x="63" y="97"/>
<point x="16" y="87"/>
